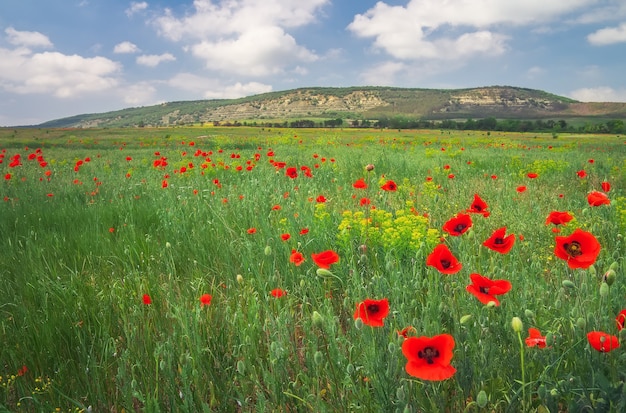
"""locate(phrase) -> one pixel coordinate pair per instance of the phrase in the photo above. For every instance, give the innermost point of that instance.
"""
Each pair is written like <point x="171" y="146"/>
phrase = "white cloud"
<point x="154" y="60"/>
<point x="211" y="88"/>
<point x="383" y="74"/>
<point x="608" y="35"/>
<point x="248" y="37"/>
<point x="453" y="29"/>
<point x="599" y="94"/>
<point x="61" y="75"/>
<point x="27" y="39"/>
<point x="139" y="94"/>
<point x="126" y="47"/>
<point x="136" y="7"/>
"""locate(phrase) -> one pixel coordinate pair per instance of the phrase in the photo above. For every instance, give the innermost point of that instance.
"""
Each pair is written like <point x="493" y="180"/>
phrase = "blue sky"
<point x="61" y="58"/>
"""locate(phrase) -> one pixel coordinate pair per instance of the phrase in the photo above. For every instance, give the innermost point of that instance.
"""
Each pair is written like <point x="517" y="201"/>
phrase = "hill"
<point x="504" y="102"/>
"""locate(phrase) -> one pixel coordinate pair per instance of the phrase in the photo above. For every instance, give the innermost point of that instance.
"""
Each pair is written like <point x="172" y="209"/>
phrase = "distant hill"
<point x="502" y="102"/>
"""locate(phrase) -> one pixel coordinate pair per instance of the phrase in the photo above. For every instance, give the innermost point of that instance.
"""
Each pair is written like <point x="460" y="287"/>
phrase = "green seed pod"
<point x="317" y="319"/>
<point x="581" y="323"/>
<point x="466" y="318"/>
<point x="482" y="399"/>
<point x="318" y="357"/>
<point x="568" y="284"/>
<point x="604" y="290"/>
<point x="268" y="250"/>
<point x="517" y="325"/>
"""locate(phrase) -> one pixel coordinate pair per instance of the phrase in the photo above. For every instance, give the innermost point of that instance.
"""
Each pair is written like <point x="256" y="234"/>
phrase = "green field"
<point x="155" y="270"/>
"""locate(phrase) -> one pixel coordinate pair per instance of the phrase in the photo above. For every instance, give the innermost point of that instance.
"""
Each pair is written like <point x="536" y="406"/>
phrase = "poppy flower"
<point x="442" y="259"/>
<point x="251" y="231"/>
<point x="285" y="236"/>
<point x="559" y="218"/>
<point x="277" y="292"/>
<point x="325" y="259"/>
<point x="406" y="331"/>
<point x="621" y="320"/>
<point x="500" y="243"/>
<point x="296" y="258"/>
<point x="580" y="249"/>
<point x="602" y="342"/>
<point x="521" y="189"/>
<point x="535" y="338"/>
<point x="359" y="184"/>
<point x="321" y="199"/>
<point x="606" y="186"/>
<point x="532" y="175"/>
<point x="205" y="299"/>
<point x="458" y="225"/>
<point x="291" y="172"/>
<point x="582" y="173"/>
<point x="597" y="198"/>
<point x="146" y="299"/>
<point x="428" y="358"/>
<point x="389" y="186"/>
<point x="364" y="201"/>
<point x="486" y="290"/>
<point x="304" y="231"/>
<point x="478" y="207"/>
<point x="372" y="312"/>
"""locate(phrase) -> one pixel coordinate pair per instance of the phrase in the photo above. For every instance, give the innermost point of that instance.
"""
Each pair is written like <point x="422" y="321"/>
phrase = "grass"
<point x="83" y="243"/>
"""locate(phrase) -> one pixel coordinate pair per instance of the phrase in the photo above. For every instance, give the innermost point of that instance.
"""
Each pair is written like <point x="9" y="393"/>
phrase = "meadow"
<point x="259" y="270"/>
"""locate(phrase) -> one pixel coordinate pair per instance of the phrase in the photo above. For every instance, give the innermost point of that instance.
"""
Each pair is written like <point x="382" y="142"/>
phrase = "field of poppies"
<point x="251" y="269"/>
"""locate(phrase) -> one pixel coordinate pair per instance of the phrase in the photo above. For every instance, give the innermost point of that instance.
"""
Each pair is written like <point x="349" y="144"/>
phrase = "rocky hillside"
<point x="355" y="103"/>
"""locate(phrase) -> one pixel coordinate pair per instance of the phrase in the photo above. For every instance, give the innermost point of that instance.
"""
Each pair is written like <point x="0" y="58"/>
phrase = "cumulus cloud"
<point x="126" y="47"/>
<point x="27" y="39"/>
<point x="599" y="94"/>
<point x="608" y="35"/>
<point x="153" y="60"/>
<point x="139" y="94"/>
<point x="136" y="7"/>
<point x="210" y="88"/>
<point x="247" y="37"/>
<point x="24" y="72"/>
<point x="454" y="29"/>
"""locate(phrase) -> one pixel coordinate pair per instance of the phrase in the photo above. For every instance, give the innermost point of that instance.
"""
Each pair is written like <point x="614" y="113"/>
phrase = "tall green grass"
<point x="79" y="249"/>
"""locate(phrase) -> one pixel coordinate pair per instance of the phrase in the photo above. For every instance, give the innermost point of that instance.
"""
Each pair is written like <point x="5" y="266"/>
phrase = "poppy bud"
<point x="482" y="399"/>
<point x="318" y="357"/>
<point x="358" y="323"/>
<point x="369" y="167"/>
<point x="268" y="250"/>
<point x="241" y="367"/>
<point x="581" y="323"/>
<point x="604" y="290"/>
<point x="317" y="319"/>
<point x="321" y="272"/>
<point x="542" y="392"/>
<point x="568" y="284"/>
<point x="517" y="325"/>
<point x="592" y="270"/>
<point x="392" y="347"/>
<point x="239" y="279"/>
<point x="609" y="277"/>
<point x="466" y="318"/>
<point x="613" y="265"/>
<point x="400" y="393"/>
<point x="529" y="313"/>
<point x="350" y="369"/>
<point x="168" y="245"/>
<point x="554" y="392"/>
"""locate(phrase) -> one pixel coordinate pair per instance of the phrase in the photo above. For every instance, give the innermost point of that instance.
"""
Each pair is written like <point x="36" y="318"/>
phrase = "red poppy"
<point x="428" y="358"/>
<point x="485" y="289"/>
<point x="285" y="236"/>
<point x="372" y="312"/>
<point x="277" y="292"/>
<point x="359" y="184"/>
<point x="251" y="231"/>
<point x="602" y="342"/>
<point x="535" y="338"/>
<point x="532" y="175"/>
<point x="146" y="299"/>
<point x="582" y="173"/>
<point x="521" y="189"/>
<point x="364" y="201"/>
<point x="325" y="259"/>
<point x="291" y="172"/>
<point x="606" y="186"/>
<point x="621" y="320"/>
<point x="304" y="231"/>
<point x="321" y="199"/>
<point x="478" y="207"/>
<point x="458" y="224"/>
<point x="559" y="218"/>
<point x="442" y="259"/>
<point x="498" y="242"/>
<point x="7" y="176"/>
<point x="406" y="331"/>
<point x="389" y="186"/>
<point x="580" y="249"/>
<point x="205" y="299"/>
<point x="597" y="198"/>
<point x="296" y="257"/>
<point x="22" y="371"/>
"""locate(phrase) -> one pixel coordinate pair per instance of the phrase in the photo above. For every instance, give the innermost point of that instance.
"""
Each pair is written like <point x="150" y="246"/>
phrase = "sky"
<point x="60" y="58"/>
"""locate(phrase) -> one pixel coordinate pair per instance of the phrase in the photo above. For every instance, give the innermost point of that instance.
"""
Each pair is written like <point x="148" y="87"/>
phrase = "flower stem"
<point x="521" y="347"/>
